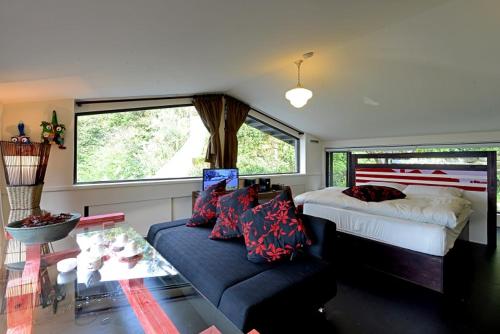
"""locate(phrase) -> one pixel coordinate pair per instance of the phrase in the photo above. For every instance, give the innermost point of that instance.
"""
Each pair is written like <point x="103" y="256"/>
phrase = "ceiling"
<point x="382" y="68"/>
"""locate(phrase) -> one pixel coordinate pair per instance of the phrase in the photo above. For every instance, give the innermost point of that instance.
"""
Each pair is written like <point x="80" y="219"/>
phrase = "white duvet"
<point x="424" y="209"/>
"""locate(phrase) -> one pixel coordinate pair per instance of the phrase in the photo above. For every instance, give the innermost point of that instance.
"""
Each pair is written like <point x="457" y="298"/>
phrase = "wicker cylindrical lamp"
<point x="25" y="165"/>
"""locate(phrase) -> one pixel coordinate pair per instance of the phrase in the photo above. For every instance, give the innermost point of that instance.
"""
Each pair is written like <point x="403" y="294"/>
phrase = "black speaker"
<point x="249" y="182"/>
<point x="265" y="184"/>
<point x="277" y="187"/>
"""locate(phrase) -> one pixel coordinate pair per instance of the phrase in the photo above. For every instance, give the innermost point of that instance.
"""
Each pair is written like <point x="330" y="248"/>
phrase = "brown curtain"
<point x="210" y="109"/>
<point x="236" y="113"/>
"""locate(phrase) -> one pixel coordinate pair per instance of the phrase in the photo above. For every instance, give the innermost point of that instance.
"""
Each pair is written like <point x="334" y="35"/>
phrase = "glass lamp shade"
<point x="298" y="96"/>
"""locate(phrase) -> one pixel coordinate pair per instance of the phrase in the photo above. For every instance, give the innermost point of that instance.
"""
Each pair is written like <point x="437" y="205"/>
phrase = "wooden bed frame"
<point x="425" y="270"/>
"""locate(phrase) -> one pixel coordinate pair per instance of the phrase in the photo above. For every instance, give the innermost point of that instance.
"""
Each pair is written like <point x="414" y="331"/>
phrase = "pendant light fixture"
<point x="299" y="95"/>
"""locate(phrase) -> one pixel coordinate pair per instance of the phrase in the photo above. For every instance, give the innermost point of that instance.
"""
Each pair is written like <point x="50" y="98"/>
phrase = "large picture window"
<point x="169" y="143"/>
<point x="145" y="144"/>
<point x="337" y="162"/>
<point x="263" y="149"/>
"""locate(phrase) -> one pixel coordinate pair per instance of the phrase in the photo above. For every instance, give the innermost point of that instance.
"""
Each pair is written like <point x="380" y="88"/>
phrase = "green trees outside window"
<point x="165" y="143"/>
<point x="262" y="153"/>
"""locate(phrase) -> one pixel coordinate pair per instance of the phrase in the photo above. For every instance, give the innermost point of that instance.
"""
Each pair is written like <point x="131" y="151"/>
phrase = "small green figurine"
<point x="53" y="132"/>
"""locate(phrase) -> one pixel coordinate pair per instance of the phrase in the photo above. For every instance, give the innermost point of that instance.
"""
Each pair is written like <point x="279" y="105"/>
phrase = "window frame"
<point x="297" y="150"/>
<point x="121" y="110"/>
<point x="163" y="106"/>
<point x="329" y="167"/>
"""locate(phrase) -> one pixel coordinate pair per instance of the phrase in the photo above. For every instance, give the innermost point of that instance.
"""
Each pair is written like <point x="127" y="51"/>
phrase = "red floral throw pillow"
<point x="371" y="193"/>
<point x="229" y="208"/>
<point x="273" y="230"/>
<point x="204" y="211"/>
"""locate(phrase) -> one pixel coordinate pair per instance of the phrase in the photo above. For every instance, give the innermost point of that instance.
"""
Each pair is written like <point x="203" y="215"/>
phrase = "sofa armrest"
<point x="154" y="229"/>
<point x="277" y="295"/>
<point x="322" y="232"/>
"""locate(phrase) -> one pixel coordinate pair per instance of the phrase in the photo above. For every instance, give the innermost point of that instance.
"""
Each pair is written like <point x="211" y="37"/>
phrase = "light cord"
<point x="298" y="63"/>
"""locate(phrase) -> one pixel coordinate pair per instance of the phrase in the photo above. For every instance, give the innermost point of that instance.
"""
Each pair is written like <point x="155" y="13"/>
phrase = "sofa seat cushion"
<point x="279" y="293"/>
<point x="210" y="265"/>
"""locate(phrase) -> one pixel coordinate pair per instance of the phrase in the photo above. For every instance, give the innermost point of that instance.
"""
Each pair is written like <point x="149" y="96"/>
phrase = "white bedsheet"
<point x="442" y="211"/>
<point x="421" y="237"/>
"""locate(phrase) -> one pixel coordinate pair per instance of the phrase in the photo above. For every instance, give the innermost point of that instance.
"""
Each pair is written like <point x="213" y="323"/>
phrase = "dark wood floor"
<point x="368" y="302"/>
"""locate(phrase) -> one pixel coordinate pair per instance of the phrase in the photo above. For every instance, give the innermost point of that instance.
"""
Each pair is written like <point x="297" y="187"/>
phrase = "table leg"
<point x="22" y="294"/>
<point x="151" y="316"/>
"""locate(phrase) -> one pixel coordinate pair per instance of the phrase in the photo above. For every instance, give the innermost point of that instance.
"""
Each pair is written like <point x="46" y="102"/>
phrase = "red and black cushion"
<point x="370" y="193"/>
<point x="205" y="207"/>
<point x="229" y="209"/>
<point x="273" y="230"/>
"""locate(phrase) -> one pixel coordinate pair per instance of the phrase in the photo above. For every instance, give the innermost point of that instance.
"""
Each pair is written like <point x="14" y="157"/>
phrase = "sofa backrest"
<point x="322" y="232"/>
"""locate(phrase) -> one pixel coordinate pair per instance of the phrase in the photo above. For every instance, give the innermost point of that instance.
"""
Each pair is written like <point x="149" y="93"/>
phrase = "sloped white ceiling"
<point x="382" y="68"/>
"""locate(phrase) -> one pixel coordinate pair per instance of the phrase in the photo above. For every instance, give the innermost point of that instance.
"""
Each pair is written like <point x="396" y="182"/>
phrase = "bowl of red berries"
<point x="39" y="229"/>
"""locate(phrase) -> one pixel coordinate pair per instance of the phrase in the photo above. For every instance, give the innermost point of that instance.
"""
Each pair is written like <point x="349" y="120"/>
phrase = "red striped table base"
<point x="151" y="316"/>
<point x="211" y="330"/>
<point x="52" y="258"/>
<point x="23" y="293"/>
<point x="101" y="219"/>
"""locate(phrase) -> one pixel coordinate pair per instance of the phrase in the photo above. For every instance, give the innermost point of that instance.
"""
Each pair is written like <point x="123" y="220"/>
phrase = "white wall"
<point x="449" y="138"/>
<point x="312" y="150"/>
<point x="144" y="203"/>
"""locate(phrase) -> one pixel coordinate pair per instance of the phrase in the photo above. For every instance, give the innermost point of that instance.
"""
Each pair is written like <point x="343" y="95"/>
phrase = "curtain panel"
<point x="236" y="113"/>
<point x="210" y="109"/>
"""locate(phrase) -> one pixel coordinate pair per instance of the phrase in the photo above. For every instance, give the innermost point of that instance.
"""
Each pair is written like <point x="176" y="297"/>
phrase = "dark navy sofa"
<point x="251" y="295"/>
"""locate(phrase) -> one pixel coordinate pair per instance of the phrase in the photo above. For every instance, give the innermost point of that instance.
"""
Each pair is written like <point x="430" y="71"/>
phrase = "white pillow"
<point x="433" y="191"/>
<point x="397" y="186"/>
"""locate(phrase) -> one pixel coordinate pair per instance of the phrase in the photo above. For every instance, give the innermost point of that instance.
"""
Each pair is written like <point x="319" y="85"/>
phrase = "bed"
<point x="414" y="244"/>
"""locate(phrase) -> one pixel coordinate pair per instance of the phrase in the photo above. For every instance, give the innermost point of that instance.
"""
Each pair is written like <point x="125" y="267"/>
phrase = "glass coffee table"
<point x="121" y="285"/>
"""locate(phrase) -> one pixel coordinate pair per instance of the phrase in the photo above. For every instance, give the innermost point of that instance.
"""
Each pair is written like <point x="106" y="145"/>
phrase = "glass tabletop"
<point x="121" y="285"/>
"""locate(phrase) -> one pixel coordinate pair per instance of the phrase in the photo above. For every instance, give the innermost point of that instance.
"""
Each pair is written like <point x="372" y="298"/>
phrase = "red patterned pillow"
<point x="229" y="208"/>
<point x="369" y="193"/>
<point x="273" y="230"/>
<point x="204" y="211"/>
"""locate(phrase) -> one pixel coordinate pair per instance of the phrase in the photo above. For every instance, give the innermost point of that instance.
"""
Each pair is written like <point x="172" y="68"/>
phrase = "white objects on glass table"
<point x="64" y="278"/>
<point x="66" y="265"/>
<point x="90" y="261"/>
<point x="84" y="243"/>
<point x="92" y="278"/>
<point x="97" y="239"/>
<point x="120" y="242"/>
<point x="98" y="250"/>
<point x="131" y="249"/>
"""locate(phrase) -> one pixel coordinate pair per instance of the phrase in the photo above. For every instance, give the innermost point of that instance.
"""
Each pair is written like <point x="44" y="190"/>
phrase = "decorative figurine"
<point x="22" y="138"/>
<point x="53" y="132"/>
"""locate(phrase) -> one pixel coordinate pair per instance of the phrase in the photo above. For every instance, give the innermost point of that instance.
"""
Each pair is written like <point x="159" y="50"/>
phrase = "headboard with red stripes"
<point x="474" y="172"/>
<point x="466" y="180"/>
